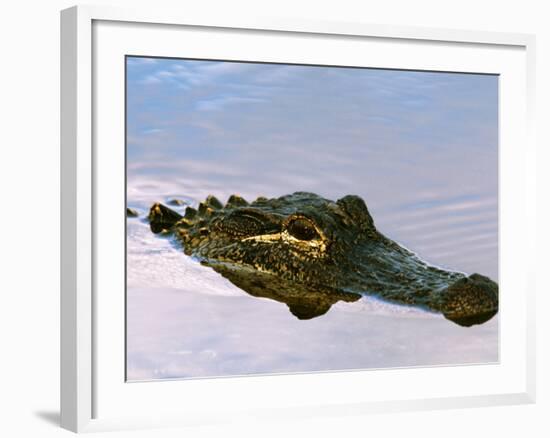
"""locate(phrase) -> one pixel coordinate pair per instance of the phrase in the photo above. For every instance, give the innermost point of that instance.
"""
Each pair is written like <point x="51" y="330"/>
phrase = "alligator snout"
<point x="470" y="300"/>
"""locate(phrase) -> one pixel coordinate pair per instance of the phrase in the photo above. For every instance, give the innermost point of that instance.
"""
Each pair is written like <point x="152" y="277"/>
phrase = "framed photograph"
<point x="283" y="218"/>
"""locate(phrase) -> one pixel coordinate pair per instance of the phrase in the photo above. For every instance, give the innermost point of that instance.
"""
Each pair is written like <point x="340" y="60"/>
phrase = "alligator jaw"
<point x="403" y="278"/>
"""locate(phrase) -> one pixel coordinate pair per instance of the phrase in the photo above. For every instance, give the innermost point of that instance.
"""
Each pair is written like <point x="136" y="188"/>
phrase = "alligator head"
<point x="310" y="252"/>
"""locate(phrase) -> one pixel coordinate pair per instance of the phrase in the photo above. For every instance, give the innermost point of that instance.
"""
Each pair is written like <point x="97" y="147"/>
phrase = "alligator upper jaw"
<point x="394" y="274"/>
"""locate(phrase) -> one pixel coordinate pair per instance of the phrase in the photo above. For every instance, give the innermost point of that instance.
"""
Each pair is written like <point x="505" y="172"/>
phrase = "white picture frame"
<point x="93" y="396"/>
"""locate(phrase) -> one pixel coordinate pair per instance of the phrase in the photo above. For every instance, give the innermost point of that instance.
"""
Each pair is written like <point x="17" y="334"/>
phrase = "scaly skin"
<point x="310" y="252"/>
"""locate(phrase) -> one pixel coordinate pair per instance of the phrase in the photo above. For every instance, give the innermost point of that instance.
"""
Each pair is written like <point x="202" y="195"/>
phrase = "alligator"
<point x="310" y="252"/>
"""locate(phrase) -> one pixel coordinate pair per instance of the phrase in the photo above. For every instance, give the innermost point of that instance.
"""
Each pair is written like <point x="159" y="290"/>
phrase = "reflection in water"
<point x="304" y="302"/>
<point x="186" y="320"/>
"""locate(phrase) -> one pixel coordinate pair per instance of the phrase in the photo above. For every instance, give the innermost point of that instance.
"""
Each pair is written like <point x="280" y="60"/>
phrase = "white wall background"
<point x="29" y="216"/>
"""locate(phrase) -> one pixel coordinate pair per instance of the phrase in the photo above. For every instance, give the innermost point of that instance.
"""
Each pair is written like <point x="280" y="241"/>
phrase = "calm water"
<point x="185" y="320"/>
<point x="419" y="148"/>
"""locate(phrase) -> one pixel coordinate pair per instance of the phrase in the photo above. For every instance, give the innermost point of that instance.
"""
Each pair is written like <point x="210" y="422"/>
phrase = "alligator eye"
<point x="302" y="229"/>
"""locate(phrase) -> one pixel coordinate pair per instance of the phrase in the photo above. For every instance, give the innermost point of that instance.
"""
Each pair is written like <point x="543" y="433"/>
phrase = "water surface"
<point x="419" y="148"/>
